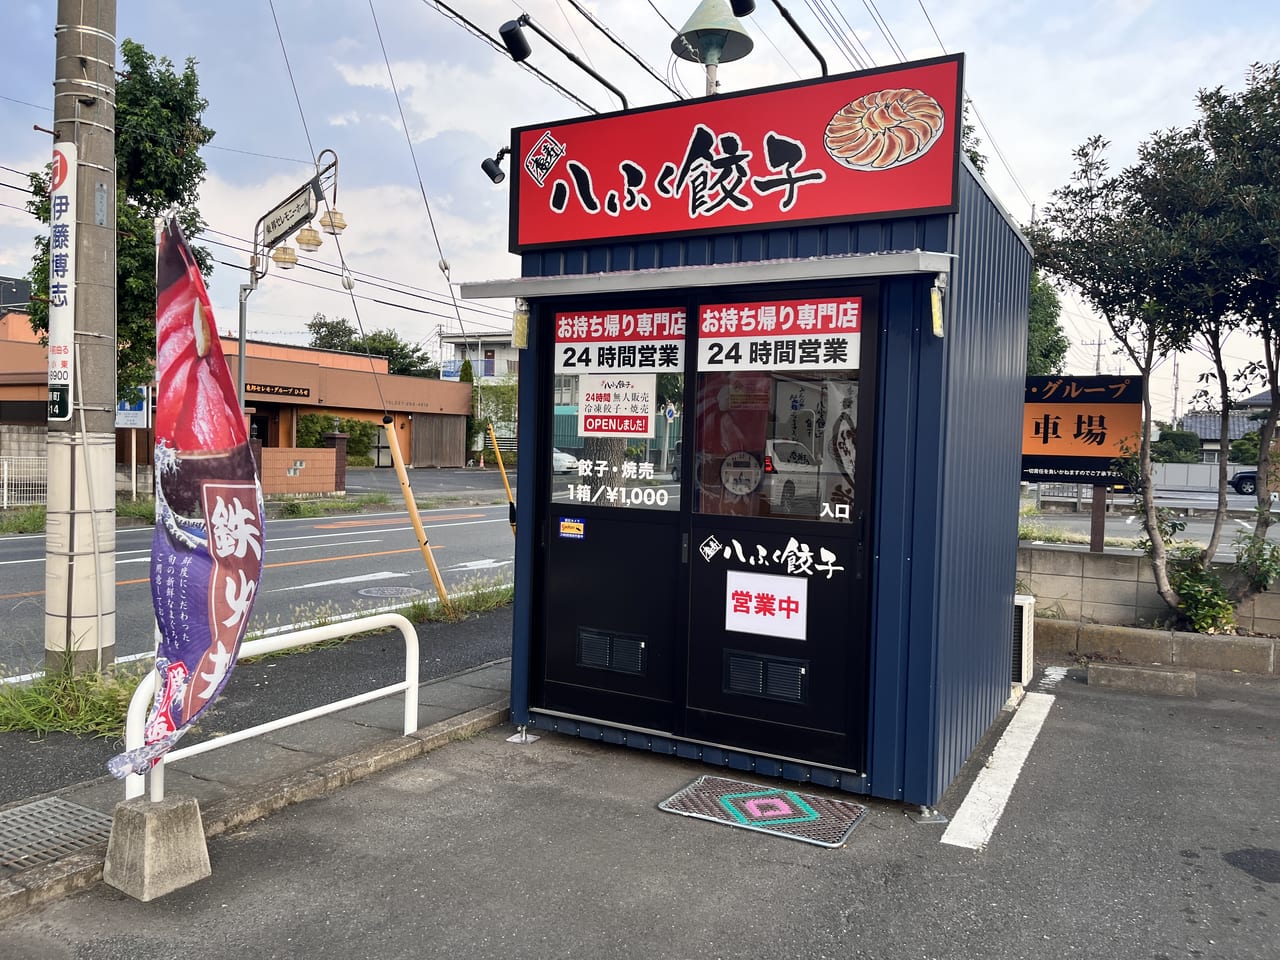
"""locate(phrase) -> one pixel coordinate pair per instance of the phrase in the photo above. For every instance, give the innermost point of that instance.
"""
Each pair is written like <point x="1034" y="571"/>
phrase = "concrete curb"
<point x="1195" y="651"/>
<point x="1164" y="681"/>
<point x="44" y="884"/>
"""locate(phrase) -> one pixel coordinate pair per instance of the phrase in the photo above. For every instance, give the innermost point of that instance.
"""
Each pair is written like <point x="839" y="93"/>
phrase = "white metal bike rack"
<point x="143" y="696"/>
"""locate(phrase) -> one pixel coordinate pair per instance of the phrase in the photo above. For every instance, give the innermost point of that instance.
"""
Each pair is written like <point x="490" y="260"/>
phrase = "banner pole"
<point x="511" y="502"/>
<point x="398" y="459"/>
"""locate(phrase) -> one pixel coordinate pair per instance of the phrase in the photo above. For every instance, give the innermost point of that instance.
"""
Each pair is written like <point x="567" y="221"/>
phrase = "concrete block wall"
<point x="23" y="441"/>
<point x="298" y="470"/>
<point x="1072" y="584"/>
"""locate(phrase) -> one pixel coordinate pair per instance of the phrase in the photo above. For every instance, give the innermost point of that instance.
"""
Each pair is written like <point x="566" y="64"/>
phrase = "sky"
<point x="1043" y="77"/>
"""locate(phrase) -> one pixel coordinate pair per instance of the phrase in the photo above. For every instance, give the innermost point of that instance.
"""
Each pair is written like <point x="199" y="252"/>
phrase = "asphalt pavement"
<point x="1140" y="826"/>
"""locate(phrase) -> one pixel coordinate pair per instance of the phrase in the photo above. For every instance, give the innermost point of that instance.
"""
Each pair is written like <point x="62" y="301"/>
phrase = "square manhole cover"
<point x="44" y="830"/>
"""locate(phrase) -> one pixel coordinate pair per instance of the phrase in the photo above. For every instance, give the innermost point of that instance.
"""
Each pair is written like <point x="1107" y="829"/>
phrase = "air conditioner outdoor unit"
<point x="1024" y="620"/>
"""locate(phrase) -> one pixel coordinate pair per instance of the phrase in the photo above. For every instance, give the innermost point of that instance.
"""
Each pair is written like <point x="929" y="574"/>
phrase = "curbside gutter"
<point x="44" y="884"/>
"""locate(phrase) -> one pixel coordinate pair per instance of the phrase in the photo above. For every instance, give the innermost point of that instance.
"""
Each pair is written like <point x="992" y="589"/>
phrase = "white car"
<point x="562" y="462"/>
<point x="791" y="477"/>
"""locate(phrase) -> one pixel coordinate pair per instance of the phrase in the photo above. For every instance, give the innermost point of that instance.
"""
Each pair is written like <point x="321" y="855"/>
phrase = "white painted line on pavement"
<point x="367" y="577"/>
<point x="1051" y="677"/>
<point x="271" y="549"/>
<point x="977" y="817"/>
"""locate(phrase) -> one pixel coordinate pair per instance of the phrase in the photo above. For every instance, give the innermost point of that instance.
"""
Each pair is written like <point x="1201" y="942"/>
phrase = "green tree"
<point x="971" y="143"/>
<point x="159" y="133"/>
<point x="1096" y="236"/>
<point x="467" y="375"/>
<point x="329" y="334"/>
<point x="1047" y="345"/>
<point x="500" y="401"/>
<point x="1182" y="246"/>
<point x="403" y="358"/>
<point x="1247" y="449"/>
<point x="1241" y="133"/>
<point x="1176" y="446"/>
<point x="361" y="434"/>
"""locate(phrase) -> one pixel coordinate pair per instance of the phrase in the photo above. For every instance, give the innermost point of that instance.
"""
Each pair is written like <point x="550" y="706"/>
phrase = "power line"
<point x="827" y="23"/>
<point x="978" y="116"/>
<point x="372" y="279"/>
<point x="884" y="29"/>
<point x="599" y="25"/>
<point x="447" y="11"/>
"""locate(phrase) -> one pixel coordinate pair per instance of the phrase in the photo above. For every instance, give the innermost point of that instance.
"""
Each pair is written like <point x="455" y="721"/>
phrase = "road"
<point x="1194" y="507"/>
<point x="314" y="567"/>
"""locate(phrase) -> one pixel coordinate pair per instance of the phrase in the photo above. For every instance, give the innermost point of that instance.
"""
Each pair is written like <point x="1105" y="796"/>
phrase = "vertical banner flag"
<point x="206" y="555"/>
<point x="62" y="279"/>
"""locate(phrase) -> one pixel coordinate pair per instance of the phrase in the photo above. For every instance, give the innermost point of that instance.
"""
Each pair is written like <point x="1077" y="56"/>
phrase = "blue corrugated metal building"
<point x="906" y="660"/>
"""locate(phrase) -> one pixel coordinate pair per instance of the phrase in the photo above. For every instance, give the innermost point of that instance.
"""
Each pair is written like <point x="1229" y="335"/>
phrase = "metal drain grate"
<point x="776" y="810"/>
<point x="44" y="830"/>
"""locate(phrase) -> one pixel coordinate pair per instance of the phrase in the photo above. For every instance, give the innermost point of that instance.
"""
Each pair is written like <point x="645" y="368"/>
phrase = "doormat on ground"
<point x="775" y="810"/>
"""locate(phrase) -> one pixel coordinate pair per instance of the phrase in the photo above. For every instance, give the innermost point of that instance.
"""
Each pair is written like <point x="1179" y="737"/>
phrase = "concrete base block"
<point x="156" y="848"/>
<point x="1160" y="680"/>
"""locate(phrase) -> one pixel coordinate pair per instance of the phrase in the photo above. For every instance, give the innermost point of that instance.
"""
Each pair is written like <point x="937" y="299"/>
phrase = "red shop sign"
<point x="877" y="143"/>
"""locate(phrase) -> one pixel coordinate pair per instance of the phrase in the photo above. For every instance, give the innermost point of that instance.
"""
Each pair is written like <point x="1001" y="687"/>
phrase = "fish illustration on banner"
<point x="207" y="552"/>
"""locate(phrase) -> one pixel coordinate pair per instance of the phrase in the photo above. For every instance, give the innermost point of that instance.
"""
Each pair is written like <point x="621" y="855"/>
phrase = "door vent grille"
<point x="608" y="650"/>
<point x="773" y="678"/>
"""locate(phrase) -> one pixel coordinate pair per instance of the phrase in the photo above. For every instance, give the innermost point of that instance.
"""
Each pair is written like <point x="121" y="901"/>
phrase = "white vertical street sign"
<point x="62" y="280"/>
<point x="134" y="412"/>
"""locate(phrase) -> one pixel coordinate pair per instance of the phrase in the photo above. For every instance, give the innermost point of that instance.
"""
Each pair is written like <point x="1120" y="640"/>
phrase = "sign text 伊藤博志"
<point x="1074" y="428"/>
<point x="878" y="143"/>
<point x="62" y="279"/>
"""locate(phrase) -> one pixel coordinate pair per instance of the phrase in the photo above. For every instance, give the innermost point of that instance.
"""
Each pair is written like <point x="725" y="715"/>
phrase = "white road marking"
<point x="1051" y="677"/>
<point x="479" y="564"/>
<point x="364" y="578"/>
<point x="977" y="817"/>
<point x="271" y="550"/>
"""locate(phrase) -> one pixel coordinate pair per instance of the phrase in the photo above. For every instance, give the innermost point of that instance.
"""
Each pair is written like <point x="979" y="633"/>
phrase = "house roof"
<point x="1208" y="425"/>
<point x="1259" y="401"/>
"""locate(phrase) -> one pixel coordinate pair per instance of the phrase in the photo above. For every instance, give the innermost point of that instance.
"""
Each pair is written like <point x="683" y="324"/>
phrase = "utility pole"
<point x="1097" y="363"/>
<point x="80" y="532"/>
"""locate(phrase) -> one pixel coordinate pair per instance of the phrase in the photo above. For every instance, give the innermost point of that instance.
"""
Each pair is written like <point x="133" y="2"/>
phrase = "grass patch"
<point x="85" y="704"/>
<point x="294" y="507"/>
<point x="137" y="509"/>
<point x="22" y="520"/>
<point x="477" y="596"/>
<point x="1033" y="527"/>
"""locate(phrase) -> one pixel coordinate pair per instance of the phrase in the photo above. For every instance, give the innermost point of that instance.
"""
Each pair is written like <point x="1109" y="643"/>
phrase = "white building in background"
<point x="491" y="354"/>
<point x="493" y="361"/>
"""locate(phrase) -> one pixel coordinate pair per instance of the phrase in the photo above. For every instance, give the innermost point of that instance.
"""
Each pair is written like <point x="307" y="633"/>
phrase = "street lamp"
<point x="292" y="218"/>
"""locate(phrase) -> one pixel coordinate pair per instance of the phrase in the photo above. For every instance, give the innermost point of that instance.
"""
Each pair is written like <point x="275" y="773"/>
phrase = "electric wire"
<point x="448" y="12"/>
<point x="853" y="33"/>
<point x="444" y="264"/>
<point x="978" y="116"/>
<point x="372" y="279"/>
<point x="884" y="29"/>
<point x="377" y="300"/>
<point x="337" y="241"/>
<point x="599" y="25"/>
<point x="832" y="30"/>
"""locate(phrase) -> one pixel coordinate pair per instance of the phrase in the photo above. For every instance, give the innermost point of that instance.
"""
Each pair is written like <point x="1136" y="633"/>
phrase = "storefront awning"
<point x="850" y="266"/>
